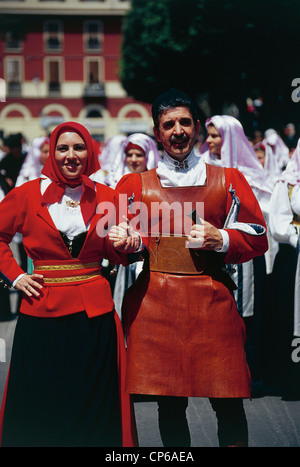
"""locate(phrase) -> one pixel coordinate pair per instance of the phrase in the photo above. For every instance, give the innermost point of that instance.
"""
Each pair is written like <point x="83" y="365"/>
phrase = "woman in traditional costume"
<point x="66" y="379"/>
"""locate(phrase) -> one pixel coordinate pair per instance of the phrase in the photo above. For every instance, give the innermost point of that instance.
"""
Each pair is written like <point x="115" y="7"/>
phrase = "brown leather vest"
<point x="166" y="227"/>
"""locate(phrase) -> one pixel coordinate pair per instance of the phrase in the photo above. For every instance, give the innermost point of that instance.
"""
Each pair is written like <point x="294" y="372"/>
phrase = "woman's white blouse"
<point x="66" y="214"/>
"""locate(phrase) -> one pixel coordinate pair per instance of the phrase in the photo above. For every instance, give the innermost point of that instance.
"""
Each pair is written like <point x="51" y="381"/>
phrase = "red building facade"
<point x="60" y="61"/>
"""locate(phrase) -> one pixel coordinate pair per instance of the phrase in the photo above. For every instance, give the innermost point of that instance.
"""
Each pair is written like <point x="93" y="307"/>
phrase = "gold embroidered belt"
<point x="72" y="272"/>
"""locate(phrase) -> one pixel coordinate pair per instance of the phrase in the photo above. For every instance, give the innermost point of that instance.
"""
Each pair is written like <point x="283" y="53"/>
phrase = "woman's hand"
<point x="205" y="236"/>
<point x="29" y="283"/>
<point x="124" y="238"/>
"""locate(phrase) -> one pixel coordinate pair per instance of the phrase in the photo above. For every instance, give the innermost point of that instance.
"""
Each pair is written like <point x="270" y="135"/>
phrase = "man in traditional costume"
<point x="185" y="337"/>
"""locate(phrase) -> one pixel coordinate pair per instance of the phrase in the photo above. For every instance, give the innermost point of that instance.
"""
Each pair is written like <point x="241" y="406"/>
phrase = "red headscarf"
<point x="56" y="189"/>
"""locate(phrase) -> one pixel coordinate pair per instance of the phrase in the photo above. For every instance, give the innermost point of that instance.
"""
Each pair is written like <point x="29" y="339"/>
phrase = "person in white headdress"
<point x="285" y="227"/>
<point x="105" y="154"/>
<point x="31" y="169"/>
<point x="137" y="153"/>
<point x="227" y="145"/>
<point x="120" y="163"/>
<point x="279" y="148"/>
<point x="269" y="162"/>
<point x="110" y="149"/>
<point x="34" y="161"/>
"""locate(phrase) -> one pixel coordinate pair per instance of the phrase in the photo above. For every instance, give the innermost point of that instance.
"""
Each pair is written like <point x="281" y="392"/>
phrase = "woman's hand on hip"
<point x="30" y="284"/>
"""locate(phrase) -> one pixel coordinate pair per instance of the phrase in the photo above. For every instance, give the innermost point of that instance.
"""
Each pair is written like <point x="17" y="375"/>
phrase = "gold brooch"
<point x="72" y="204"/>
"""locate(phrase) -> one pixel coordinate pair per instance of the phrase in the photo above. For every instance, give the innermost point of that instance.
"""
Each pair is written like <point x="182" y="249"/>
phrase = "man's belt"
<point x="72" y="272"/>
<point x="169" y="254"/>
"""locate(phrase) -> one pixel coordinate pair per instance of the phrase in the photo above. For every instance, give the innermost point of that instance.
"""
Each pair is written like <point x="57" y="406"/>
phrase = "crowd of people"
<point x="105" y="316"/>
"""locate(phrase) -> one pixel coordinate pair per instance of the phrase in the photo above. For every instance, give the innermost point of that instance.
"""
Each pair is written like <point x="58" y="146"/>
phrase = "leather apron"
<point x="184" y="334"/>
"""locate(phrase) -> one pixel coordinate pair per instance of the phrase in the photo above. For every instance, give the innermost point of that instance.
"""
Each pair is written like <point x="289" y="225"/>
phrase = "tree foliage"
<point x="229" y="49"/>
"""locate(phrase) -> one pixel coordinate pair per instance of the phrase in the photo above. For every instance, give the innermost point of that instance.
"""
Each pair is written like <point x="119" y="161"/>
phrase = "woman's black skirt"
<point x="63" y="383"/>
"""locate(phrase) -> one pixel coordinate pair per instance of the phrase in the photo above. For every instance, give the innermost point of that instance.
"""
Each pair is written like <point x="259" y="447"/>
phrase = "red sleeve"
<point x="12" y="211"/>
<point x="110" y="211"/>
<point x="243" y="246"/>
<point x="130" y="186"/>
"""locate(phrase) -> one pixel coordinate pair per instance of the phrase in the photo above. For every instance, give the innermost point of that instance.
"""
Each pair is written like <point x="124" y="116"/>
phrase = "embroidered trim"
<point x="62" y="280"/>
<point x="64" y="267"/>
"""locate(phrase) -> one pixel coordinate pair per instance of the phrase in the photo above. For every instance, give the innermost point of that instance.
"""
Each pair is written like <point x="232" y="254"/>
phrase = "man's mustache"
<point x="179" y="138"/>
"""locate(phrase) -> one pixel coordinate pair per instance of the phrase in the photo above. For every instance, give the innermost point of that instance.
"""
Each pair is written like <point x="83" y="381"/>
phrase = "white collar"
<point x="192" y="171"/>
<point x="45" y="182"/>
<point x="190" y="161"/>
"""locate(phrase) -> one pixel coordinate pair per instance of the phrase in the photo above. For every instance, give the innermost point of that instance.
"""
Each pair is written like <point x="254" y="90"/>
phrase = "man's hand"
<point x="124" y="238"/>
<point x="205" y="236"/>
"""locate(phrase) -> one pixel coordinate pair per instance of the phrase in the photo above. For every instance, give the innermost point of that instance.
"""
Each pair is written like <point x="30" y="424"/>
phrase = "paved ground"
<point x="272" y="421"/>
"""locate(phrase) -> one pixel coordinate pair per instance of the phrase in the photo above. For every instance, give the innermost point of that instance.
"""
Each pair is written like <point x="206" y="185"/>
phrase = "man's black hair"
<point x="170" y="99"/>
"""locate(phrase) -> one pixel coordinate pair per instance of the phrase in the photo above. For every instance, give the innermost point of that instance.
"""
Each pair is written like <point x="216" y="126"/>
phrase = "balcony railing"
<point x="14" y="89"/>
<point x="94" y="90"/>
<point x="54" y="88"/>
